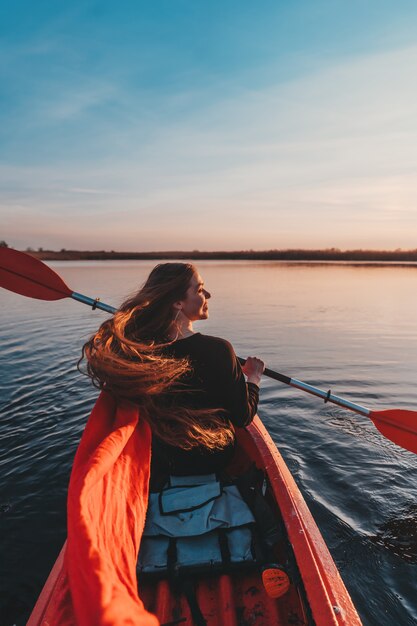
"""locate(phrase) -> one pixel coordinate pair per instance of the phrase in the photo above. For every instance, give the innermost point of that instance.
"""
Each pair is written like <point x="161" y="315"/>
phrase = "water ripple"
<point x="360" y="487"/>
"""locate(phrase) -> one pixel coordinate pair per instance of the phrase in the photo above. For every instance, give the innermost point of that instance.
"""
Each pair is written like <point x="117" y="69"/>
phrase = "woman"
<point x="189" y="386"/>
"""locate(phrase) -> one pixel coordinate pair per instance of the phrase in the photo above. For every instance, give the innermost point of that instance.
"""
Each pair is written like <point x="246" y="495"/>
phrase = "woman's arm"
<point x="241" y="398"/>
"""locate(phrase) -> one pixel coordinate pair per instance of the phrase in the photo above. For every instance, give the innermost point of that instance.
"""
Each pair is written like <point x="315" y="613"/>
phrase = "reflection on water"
<point x="348" y="328"/>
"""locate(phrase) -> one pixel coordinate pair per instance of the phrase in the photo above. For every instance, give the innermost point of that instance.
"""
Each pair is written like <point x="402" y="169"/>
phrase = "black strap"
<point x="172" y="559"/>
<point x="258" y="548"/>
<point x="266" y="520"/>
<point x="224" y="545"/>
<point x="189" y="592"/>
<point x="178" y="583"/>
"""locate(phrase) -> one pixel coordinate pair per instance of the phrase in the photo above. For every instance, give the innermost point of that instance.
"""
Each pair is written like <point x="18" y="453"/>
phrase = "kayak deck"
<point x="317" y="595"/>
<point x="237" y="600"/>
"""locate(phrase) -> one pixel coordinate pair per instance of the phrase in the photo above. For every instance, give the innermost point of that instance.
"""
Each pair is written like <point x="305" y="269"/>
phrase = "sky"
<point x="208" y="125"/>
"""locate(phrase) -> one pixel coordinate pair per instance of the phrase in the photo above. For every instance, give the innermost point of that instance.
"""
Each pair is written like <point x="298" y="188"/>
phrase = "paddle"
<point x="398" y="425"/>
<point x="26" y="275"/>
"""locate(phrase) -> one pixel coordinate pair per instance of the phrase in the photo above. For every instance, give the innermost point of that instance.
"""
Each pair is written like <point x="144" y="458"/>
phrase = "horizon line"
<point x="289" y="254"/>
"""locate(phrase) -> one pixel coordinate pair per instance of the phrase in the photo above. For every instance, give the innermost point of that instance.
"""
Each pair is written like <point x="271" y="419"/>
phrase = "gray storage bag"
<point x="195" y="522"/>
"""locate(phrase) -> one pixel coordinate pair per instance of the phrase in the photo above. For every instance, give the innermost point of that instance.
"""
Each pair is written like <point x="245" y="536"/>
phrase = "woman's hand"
<point x="253" y="369"/>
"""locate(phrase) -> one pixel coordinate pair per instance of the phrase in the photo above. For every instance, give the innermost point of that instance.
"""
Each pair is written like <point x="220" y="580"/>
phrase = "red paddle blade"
<point x="399" y="425"/>
<point x="23" y="274"/>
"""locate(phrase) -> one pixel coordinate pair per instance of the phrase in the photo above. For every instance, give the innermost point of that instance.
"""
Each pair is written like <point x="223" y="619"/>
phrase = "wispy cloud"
<point x="84" y="190"/>
<point x="75" y="101"/>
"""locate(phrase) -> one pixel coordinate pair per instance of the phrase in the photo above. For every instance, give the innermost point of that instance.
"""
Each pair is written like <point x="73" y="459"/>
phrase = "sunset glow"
<point x="181" y="125"/>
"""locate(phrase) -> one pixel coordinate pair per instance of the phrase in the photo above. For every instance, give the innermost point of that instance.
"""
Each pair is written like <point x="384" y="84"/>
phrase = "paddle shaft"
<point x="327" y="396"/>
<point x="292" y="382"/>
<point x="94" y="303"/>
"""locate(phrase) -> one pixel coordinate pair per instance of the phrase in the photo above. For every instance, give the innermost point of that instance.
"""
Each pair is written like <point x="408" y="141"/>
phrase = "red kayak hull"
<point x="319" y="596"/>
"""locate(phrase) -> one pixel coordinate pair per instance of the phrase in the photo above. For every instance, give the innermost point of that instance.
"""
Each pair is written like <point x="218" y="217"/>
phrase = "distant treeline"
<point x="330" y="254"/>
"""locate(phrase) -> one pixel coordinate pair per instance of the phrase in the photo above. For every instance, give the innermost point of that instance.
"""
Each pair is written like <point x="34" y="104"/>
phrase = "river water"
<point x="348" y="327"/>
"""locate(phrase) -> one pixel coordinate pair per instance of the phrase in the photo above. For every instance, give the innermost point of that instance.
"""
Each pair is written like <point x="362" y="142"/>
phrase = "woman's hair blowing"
<point x="126" y="357"/>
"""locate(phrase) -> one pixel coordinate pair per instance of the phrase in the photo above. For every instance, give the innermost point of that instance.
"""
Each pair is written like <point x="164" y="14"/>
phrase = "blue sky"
<point x="208" y="125"/>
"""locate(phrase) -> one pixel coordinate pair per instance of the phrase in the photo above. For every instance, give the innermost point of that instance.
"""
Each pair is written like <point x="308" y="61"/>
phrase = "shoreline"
<point x="330" y="255"/>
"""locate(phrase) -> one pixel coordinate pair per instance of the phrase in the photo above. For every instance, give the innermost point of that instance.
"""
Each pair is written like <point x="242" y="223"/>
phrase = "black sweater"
<point x="215" y="381"/>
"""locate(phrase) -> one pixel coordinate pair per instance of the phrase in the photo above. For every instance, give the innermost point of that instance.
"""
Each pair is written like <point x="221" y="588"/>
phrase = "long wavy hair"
<point x="127" y="357"/>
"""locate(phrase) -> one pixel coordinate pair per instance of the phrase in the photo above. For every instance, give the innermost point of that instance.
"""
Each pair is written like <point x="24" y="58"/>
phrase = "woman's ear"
<point x="177" y="306"/>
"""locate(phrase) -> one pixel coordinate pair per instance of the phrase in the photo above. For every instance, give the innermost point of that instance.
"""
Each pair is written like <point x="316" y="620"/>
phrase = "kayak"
<point x="316" y="595"/>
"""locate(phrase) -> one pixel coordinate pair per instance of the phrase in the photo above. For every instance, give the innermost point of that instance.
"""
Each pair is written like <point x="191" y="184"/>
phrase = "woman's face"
<point x="195" y="305"/>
